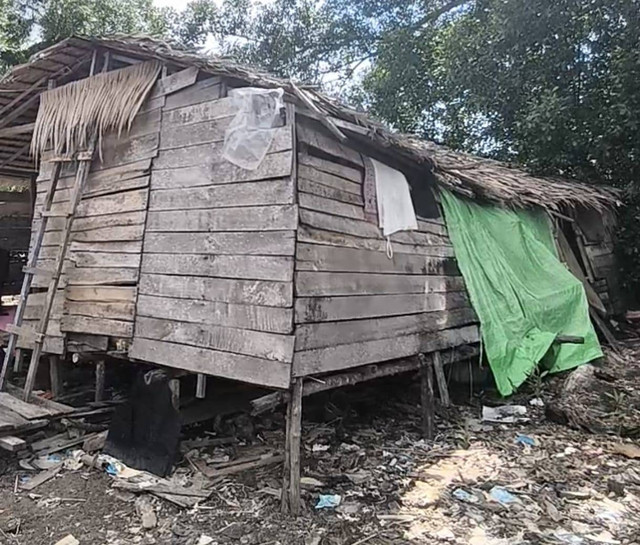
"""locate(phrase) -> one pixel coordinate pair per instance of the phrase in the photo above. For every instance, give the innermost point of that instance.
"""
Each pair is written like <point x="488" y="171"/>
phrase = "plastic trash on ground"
<point x="328" y="501"/>
<point x="505" y="414"/>
<point x="252" y="130"/>
<point x="526" y="440"/>
<point x="502" y="496"/>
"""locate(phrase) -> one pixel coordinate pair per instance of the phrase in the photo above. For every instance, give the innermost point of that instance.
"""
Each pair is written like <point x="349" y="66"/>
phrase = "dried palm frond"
<point x="69" y="115"/>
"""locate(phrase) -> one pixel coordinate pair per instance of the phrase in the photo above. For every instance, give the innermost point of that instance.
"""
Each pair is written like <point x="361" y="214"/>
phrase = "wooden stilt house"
<point x="176" y="256"/>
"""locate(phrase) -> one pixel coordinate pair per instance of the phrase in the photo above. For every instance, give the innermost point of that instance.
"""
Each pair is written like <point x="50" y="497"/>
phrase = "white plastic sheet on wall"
<point x="251" y="132"/>
<point x="395" y="208"/>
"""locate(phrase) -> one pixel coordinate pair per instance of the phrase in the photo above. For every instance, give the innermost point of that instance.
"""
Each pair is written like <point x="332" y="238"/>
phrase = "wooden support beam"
<point x="24" y="149"/>
<point x="201" y="386"/>
<point x="324" y="119"/>
<point x="100" y="380"/>
<point x="174" y="386"/>
<point x="16" y="129"/>
<point x="426" y="397"/>
<point x="294" y="435"/>
<point x="17" y="362"/>
<point x="55" y="376"/>
<point x="441" y="380"/>
<point x="361" y="374"/>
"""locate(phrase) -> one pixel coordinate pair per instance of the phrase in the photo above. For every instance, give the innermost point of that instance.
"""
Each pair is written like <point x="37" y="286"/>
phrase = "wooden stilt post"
<point x="441" y="380"/>
<point x="174" y="386"/>
<point x="426" y="396"/>
<point x="18" y="360"/>
<point x="201" y="386"/>
<point x="55" y="377"/>
<point x="100" y="376"/>
<point x="291" y="485"/>
<point x="286" y="466"/>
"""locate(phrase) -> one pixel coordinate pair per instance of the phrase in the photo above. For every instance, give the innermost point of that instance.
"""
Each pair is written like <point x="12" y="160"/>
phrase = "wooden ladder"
<point x="16" y="329"/>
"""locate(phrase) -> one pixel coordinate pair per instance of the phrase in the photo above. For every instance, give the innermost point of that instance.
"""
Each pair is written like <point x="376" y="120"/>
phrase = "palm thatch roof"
<point x="465" y="174"/>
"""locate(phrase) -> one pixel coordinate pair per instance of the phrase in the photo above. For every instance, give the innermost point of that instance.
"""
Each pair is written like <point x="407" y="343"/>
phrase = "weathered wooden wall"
<point x="216" y="291"/>
<point x="97" y="291"/>
<point x="596" y="238"/>
<point x="15" y="226"/>
<point x="354" y="305"/>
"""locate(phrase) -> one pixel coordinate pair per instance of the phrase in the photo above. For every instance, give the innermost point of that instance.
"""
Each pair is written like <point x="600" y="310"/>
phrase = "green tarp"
<point x="523" y="295"/>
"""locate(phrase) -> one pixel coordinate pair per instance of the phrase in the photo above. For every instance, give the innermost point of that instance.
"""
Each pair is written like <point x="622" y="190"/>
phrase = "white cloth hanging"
<point x="395" y="208"/>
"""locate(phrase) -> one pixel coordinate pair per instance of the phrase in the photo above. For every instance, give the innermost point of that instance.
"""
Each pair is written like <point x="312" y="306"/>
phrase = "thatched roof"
<point x="465" y="174"/>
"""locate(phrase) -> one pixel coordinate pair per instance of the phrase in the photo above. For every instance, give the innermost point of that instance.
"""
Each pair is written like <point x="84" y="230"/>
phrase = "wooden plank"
<point x="330" y="167"/>
<point x="264" y="192"/>
<point x="330" y="180"/>
<point x="176" y="136"/>
<point x="108" y="259"/>
<point x="197" y="113"/>
<point x="268" y="346"/>
<point x="328" y="309"/>
<point x="254" y="218"/>
<point x="319" y="335"/>
<point x="102" y="222"/>
<point x="315" y="188"/>
<point x="106" y="294"/>
<point x="108" y="179"/>
<point x="112" y="203"/>
<point x="329" y="206"/>
<point x="211" y="362"/>
<point x="315" y="257"/>
<point x="127" y="233"/>
<point x="175" y="82"/>
<point x="251" y="317"/>
<point x="274" y="165"/>
<point x="249" y="292"/>
<point x="202" y="91"/>
<point x="245" y="243"/>
<point x="211" y="154"/>
<point x="97" y="326"/>
<point x="316" y="138"/>
<point x="116" y="203"/>
<point x="120" y="310"/>
<point x="343" y="356"/>
<point x="79" y="342"/>
<point x="26" y="410"/>
<point x="117" y="247"/>
<point x="82" y="276"/>
<point x="226" y="266"/>
<point x="12" y="444"/>
<point x="364" y="229"/>
<point x="329" y="284"/>
<point x="128" y="150"/>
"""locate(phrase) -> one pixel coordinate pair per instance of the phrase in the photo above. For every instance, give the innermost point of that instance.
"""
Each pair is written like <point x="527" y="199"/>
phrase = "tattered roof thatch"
<point x="465" y="174"/>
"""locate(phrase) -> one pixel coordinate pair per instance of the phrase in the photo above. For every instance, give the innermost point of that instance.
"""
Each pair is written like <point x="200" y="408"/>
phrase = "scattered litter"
<point x="525" y="440"/>
<point x="205" y="540"/>
<point x="630" y="450"/>
<point x="328" y="501"/>
<point x="317" y="447"/>
<point x="465" y="496"/>
<point x="502" y="496"/>
<point x="445" y="534"/>
<point x="310" y="482"/>
<point x="536" y="402"/>
<point x="567" y="537"/>
<point x="505" y="414"/>
<point x="68" y="540"/>
<point x="146" y="512"/>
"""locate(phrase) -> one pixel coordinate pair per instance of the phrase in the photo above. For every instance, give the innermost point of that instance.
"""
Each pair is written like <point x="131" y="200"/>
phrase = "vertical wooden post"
<point x="100" y="377"/>
<point x="174" y="386"/>
<point x="201" y="386"/>
<point x="441" y="379"/>
<point x="286" y="466"/>
<point x="293" y="440"/>
<point x="426" y="396"/>
<point x="18" y="360"/>
<point x="55" y="376"/>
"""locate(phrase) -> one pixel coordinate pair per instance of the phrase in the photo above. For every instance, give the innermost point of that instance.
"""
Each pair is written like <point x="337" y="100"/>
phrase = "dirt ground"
<point x="478" y="483"/>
